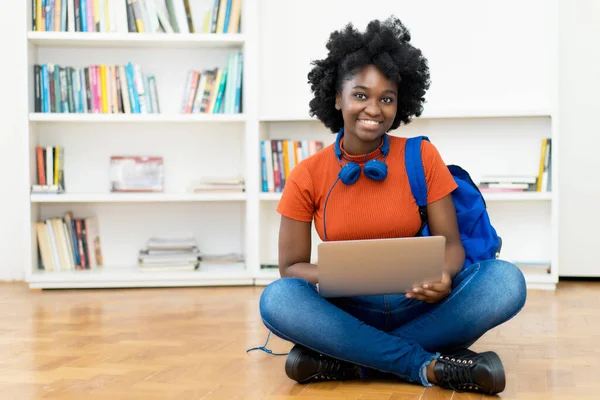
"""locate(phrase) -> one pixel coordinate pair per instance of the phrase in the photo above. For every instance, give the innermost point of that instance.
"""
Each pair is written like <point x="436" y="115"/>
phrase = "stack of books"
<point x="218" y="185"/>
<point x="220" y="259"/>
<point x="508" y="183"/>
<point x="169" y="254"/>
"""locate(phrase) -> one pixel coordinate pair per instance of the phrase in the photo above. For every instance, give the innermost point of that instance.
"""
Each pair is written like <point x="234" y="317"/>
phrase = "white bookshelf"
<point x="482" y="113"/>
<point x="193" y="146"/>
<point x="476" y="136"/>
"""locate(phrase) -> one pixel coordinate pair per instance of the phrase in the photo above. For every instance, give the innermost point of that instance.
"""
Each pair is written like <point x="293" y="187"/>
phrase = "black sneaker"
<point x="304" y="365"/>
<point x="465" y="370"/>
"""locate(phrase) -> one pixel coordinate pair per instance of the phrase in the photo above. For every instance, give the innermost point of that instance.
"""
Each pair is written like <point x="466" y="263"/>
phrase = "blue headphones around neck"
<point x="349" y="174"/>
<point x="374" y="169"/>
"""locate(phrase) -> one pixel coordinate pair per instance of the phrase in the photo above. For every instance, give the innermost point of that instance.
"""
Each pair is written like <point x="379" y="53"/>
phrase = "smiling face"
<point x="368" y="102"/>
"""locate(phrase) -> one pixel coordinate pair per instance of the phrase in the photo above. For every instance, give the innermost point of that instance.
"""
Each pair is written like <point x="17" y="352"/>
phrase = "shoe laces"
<point x="457" y="374"/>
<point x="329" y="368"/>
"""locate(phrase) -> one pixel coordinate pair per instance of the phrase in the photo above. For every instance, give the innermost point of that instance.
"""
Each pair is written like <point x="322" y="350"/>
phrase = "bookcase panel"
<point x="125" y="228"/>
<point x="525" y="229"/>
<point x="190" y="152"/>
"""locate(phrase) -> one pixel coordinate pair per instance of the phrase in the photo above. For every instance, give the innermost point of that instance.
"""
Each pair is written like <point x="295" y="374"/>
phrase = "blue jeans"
<point x="391" y="335"/>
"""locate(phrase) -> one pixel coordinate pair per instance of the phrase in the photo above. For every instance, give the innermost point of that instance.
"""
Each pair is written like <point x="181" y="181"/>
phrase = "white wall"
<point x="13" y="114"/>
<point x="476" y="60"/>
<point x="579" y="62"/>
<point x="580" y="137"/>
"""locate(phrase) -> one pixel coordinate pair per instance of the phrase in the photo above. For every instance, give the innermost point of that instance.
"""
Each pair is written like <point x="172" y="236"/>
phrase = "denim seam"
<point x="407" y="307"/>
<point x="386" y="313"/>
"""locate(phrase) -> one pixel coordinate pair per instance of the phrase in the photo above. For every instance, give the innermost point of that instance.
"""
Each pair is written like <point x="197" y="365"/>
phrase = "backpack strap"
<point x="416" y="176"/>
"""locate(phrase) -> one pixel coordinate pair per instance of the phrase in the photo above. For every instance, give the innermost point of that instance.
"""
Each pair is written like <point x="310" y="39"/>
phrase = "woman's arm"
<point x="441" y="216"/>
<point x="294" y="250"/>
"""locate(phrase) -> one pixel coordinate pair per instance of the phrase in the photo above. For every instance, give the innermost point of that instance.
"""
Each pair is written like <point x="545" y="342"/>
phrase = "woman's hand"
<point x="432" y="292"/>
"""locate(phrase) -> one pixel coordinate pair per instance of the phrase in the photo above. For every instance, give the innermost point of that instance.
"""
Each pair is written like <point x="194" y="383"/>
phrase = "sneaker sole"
<point x="497" y="371"/>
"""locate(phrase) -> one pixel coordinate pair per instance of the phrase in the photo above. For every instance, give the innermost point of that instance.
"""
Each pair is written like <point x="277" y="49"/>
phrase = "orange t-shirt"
<point x="366" y="209"/>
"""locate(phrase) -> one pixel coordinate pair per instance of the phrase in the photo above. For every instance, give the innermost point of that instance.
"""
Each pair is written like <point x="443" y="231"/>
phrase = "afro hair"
<point x="386" y="45"/>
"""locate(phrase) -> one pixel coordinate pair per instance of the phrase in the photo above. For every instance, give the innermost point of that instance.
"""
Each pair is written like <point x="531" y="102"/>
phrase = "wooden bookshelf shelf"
<point x="149" y="40"/>
<point x="135" y="197"/>
<point x="134" y="118"/>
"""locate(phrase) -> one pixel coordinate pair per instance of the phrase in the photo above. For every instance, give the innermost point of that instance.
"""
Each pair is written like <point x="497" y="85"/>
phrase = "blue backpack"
<point x="479" y="238"/>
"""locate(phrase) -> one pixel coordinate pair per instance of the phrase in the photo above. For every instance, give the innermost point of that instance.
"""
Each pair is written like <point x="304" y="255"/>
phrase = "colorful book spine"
<point x="94" y="89"/>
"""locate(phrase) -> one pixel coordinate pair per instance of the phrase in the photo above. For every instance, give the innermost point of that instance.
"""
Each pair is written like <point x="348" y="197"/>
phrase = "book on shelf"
<point x="107" y="89"/>
<point x="217" y="185"/>
<point x="544" y="177"/>
<point x="540" y="182"/>
<point x="507" y="183"/>
<point x="139" y="16"/>
<point x="215" y="91"/>
<point x="178" y="254"/>
<point x="280" y="156"/>
<point x="269" y="266"/>
<point x="50" y="170"/>
<point x="69" y="243"/>
<point x="169" y="254"/>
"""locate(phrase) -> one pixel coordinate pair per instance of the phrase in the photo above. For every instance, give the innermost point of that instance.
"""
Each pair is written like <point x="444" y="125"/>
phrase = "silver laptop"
<point x="378" y="266"/>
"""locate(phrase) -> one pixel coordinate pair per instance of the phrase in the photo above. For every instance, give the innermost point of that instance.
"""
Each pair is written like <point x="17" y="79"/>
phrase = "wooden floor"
<point x="190" y="344"/>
